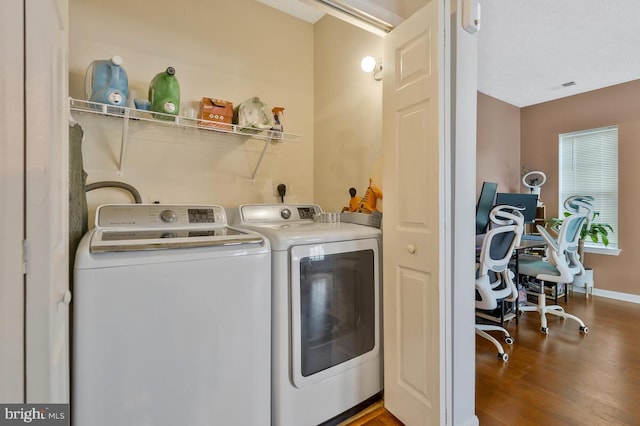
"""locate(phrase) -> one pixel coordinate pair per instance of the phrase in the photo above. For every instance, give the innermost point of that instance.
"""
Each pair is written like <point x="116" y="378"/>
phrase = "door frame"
<point x="46" y="116"/>
<point x="12" y="137"/>
<point x="463" y="107"/>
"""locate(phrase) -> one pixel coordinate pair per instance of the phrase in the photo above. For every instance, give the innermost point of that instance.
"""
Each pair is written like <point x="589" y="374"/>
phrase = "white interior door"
<point x="414" y="237"/>
<point x="47" y="189"/>
<point x="11" y="201"/>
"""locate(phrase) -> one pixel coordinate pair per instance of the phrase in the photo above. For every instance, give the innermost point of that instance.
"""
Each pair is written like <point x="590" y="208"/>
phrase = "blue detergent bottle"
<point x="106" y="82"/>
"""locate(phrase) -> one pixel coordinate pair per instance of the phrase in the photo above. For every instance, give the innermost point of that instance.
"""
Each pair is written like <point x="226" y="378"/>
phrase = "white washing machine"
<point x="171" y="320"/>
<point x="326" y="312"/>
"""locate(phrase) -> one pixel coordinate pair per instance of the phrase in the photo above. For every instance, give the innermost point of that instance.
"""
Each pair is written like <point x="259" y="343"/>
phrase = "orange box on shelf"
<point x="216" y="112"/>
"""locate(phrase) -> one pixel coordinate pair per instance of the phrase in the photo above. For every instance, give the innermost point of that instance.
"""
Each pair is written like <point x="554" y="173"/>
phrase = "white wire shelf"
<point x="178" y="121"/>
<point x="126" y="113"/>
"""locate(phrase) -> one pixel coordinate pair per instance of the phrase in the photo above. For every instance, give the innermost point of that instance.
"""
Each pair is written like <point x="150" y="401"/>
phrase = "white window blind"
<point x="589" y="166"/>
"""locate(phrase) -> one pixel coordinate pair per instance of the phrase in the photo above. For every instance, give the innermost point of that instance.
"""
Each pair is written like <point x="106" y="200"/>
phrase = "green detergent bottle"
<point x="164" y="94"/>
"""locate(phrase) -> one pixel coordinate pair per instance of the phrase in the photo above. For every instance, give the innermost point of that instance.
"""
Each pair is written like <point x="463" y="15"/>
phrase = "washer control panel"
<point x="159" y="216"/>
<point x="278" y="213"/>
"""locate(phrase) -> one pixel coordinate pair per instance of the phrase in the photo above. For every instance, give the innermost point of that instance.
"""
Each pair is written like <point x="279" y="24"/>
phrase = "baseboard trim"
<point x="626" y="297"/>
<point x="471" y="421"/>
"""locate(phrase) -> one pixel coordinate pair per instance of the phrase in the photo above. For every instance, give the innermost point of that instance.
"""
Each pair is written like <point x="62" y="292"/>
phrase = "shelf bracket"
<point x="123" y="143"/>
<point x="264" y="150"/>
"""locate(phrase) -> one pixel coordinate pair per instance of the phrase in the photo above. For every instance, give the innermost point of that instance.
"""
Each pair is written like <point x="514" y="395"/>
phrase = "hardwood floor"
<point x="564" y="378"/>
<point x="374" y="415"/>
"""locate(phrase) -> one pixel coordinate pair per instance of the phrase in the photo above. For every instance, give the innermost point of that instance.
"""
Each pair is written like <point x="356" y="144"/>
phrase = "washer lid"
<point x="137" y="240"/>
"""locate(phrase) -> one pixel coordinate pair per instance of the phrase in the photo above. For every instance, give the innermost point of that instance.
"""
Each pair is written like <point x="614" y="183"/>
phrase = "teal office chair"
<point x="562" y="262"/>
<point x="494" y="279"/>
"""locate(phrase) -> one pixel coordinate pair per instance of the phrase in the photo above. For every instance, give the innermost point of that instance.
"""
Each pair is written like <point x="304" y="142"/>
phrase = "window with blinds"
<point x="589" y="166"/>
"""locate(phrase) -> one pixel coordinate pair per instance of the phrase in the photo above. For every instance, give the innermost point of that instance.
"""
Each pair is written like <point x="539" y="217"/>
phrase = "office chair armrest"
<point x="548" y="238"/>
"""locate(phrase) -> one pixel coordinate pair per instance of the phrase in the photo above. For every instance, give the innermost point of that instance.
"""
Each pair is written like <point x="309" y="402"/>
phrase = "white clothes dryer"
<point x="171" y="319"/>
<point x="326" y="312"/>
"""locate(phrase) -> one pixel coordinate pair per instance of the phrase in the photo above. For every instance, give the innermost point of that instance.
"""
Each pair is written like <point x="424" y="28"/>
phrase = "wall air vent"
<point x="563" y="85"/>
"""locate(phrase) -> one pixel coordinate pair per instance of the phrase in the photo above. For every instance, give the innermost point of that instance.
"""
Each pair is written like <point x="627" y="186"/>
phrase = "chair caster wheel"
<point x="584" y="329"/>
<point x="503" y="357"/>
<point x="508" y="340"/>
<point x="544" y="330"/>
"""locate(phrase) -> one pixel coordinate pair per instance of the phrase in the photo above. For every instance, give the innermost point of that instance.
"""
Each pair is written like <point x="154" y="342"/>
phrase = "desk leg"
<point x="517" y="289"/>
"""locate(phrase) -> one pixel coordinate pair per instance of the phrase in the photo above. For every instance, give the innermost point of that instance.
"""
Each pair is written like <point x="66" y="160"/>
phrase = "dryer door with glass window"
<point x="335" y="308"/>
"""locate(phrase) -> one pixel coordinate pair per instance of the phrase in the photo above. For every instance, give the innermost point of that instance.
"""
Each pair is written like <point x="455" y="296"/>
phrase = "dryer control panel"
<point x="278" y="213"/>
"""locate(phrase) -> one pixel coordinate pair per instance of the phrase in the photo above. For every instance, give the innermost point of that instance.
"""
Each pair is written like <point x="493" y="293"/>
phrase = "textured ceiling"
<point x="527" y="49"/>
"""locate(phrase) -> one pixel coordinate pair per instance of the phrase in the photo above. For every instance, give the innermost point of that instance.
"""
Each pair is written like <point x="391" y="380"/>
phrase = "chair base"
<point x="557" y="310"/>
<point x="481" y="330"/>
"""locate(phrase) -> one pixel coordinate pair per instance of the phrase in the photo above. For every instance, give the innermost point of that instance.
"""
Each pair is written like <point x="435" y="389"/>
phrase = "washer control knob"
<point x="168" y="216"/>
<point x="285" y="213"/>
